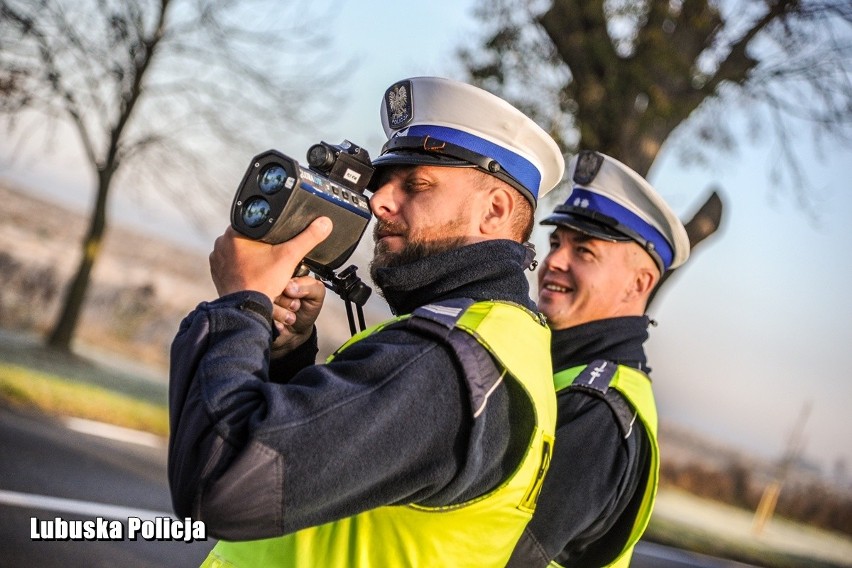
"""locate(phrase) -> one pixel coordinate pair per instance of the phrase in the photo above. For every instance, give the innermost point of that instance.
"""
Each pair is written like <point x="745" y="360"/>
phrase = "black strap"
<point x="596" y="376"/>
<point x="438" y="320"/>
<point x="595" y="380"/>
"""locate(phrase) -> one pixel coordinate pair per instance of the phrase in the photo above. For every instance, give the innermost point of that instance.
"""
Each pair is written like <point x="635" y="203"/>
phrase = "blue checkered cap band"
<point x="614" y="202"/>
<point x="473" y="120"/>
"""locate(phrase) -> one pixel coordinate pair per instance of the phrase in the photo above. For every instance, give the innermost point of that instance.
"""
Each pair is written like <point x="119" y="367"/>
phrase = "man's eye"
<point x="554" y="245"/>
<point x="416" y="185"/>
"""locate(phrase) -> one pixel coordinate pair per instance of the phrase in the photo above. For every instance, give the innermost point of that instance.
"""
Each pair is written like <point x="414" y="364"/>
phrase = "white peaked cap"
<point x="432" y="120"/>
<point x="610" y="201"/>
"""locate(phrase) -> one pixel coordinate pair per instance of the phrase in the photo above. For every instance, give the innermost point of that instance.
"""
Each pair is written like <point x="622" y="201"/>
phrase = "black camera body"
<point x="278" y="198"/>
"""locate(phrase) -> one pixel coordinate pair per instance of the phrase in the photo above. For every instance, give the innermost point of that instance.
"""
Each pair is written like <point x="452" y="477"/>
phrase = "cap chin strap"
<point x="529" y="256"/>
<point x="432" y="146"/>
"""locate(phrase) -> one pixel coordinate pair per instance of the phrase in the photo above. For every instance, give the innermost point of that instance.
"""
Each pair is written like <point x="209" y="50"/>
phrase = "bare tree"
<point x="621" y="76"/>
<point x="163" y="95"/>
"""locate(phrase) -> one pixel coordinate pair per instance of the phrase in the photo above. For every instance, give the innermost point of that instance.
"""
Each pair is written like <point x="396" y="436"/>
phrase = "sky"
<point x="758" y="323"/>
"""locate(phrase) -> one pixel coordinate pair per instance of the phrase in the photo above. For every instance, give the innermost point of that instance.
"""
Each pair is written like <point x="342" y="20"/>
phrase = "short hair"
<point x="639" y="258"/>
<point x="523" y="219"/>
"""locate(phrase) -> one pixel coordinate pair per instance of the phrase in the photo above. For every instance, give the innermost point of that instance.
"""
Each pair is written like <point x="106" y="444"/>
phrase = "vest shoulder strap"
<point x="595" y="376"/>
<point x="445" y="313"/>
<point x="438" y="320"/>
<point x="442" y="315"/>
<point x="595" y="379"/>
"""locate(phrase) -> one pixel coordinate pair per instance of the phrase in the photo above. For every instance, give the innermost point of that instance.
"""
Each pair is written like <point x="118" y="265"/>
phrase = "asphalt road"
<point x="650" y="555"/>
<point x="50" y="468"/>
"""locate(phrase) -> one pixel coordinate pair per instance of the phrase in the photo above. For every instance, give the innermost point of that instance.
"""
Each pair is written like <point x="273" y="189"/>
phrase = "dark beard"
<point x="412" y="252"/>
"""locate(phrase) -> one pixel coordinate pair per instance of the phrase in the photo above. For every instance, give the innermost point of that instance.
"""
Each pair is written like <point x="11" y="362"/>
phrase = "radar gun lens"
<point x="256" y="212"/>
<point x="272" y="179"/>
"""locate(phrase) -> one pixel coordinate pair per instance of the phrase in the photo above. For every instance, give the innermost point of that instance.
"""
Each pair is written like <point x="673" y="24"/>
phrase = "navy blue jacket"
<point x="587" y="504"/>
<point x="260" y="448"/>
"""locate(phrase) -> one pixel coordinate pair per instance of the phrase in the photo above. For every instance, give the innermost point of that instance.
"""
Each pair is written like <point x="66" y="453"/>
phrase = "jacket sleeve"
<point x="230" y="335"/>
<point x="594" y="473"/>
<point x="254" y="457"/>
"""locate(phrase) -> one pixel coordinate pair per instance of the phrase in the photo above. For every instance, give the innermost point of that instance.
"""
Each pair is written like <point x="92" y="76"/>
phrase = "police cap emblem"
<point x="588" y="164"/>
<point x="398" y="104"/>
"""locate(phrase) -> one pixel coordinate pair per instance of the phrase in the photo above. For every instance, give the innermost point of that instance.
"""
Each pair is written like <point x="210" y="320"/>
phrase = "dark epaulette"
<point x="595" y="379"/>
<point x="445" y="313"/>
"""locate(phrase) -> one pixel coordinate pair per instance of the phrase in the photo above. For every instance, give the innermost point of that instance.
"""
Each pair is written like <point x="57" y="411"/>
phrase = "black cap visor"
<point x="412" y="158"/>
<point x="597" y="226"/>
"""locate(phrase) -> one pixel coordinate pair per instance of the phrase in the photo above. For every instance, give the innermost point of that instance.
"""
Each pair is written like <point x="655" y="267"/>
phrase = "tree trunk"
<point x="63" y="332"/>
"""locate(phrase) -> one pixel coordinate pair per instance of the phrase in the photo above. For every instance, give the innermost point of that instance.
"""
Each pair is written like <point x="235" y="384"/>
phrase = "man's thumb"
<point x="314" y="234"/>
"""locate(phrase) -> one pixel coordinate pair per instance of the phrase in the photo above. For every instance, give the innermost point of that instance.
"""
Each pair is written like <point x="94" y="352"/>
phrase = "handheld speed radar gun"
<point x="278" y="198"/>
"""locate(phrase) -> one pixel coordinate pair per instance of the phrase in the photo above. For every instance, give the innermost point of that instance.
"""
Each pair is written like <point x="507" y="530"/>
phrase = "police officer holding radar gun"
<point x="423" y="441"/>
<point x="612" y="240"/>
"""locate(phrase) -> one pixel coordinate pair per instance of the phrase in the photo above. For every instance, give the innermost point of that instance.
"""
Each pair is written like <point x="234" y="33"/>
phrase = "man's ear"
<point x="645" y="280"/>
<point x="497" y="217"/>
<point x="645" y="273"/>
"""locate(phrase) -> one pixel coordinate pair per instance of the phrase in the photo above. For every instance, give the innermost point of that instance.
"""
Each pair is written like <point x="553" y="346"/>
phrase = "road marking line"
<point x="112" y="432"/>
<point x="77" y="507"/>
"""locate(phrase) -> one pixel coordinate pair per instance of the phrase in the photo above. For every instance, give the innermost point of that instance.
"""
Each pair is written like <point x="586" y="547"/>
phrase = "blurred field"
<point x="52" y="394"/>
<point x="141" y="286"/>
<point x="700" y="525"/>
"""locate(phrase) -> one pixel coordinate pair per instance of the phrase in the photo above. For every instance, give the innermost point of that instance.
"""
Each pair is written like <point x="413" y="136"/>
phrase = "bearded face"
<point x="422" y="211"/>
<point x="411" y="245"/>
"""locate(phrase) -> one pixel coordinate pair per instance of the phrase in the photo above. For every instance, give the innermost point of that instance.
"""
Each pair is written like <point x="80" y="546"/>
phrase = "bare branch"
<point x="162" y="93"/>
<point x="633" y="72"/>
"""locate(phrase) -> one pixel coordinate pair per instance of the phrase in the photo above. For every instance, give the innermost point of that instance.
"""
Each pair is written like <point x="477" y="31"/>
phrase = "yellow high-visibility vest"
<point x="635" y="386"/>
<point x="480" y="532"/>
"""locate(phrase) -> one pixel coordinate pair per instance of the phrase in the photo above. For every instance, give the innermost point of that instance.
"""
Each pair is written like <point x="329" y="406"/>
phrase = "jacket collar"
<point x="619" y="340"/>
<point x="488" y="270"/>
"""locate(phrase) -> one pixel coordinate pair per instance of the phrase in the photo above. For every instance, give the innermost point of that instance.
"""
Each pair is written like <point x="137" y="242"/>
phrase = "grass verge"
<point x="53" y="394"/>
<point x="681" y="535"/>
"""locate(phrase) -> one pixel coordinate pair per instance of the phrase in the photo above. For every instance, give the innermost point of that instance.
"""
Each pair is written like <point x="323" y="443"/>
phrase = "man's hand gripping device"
<point x="278" y="198"/>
